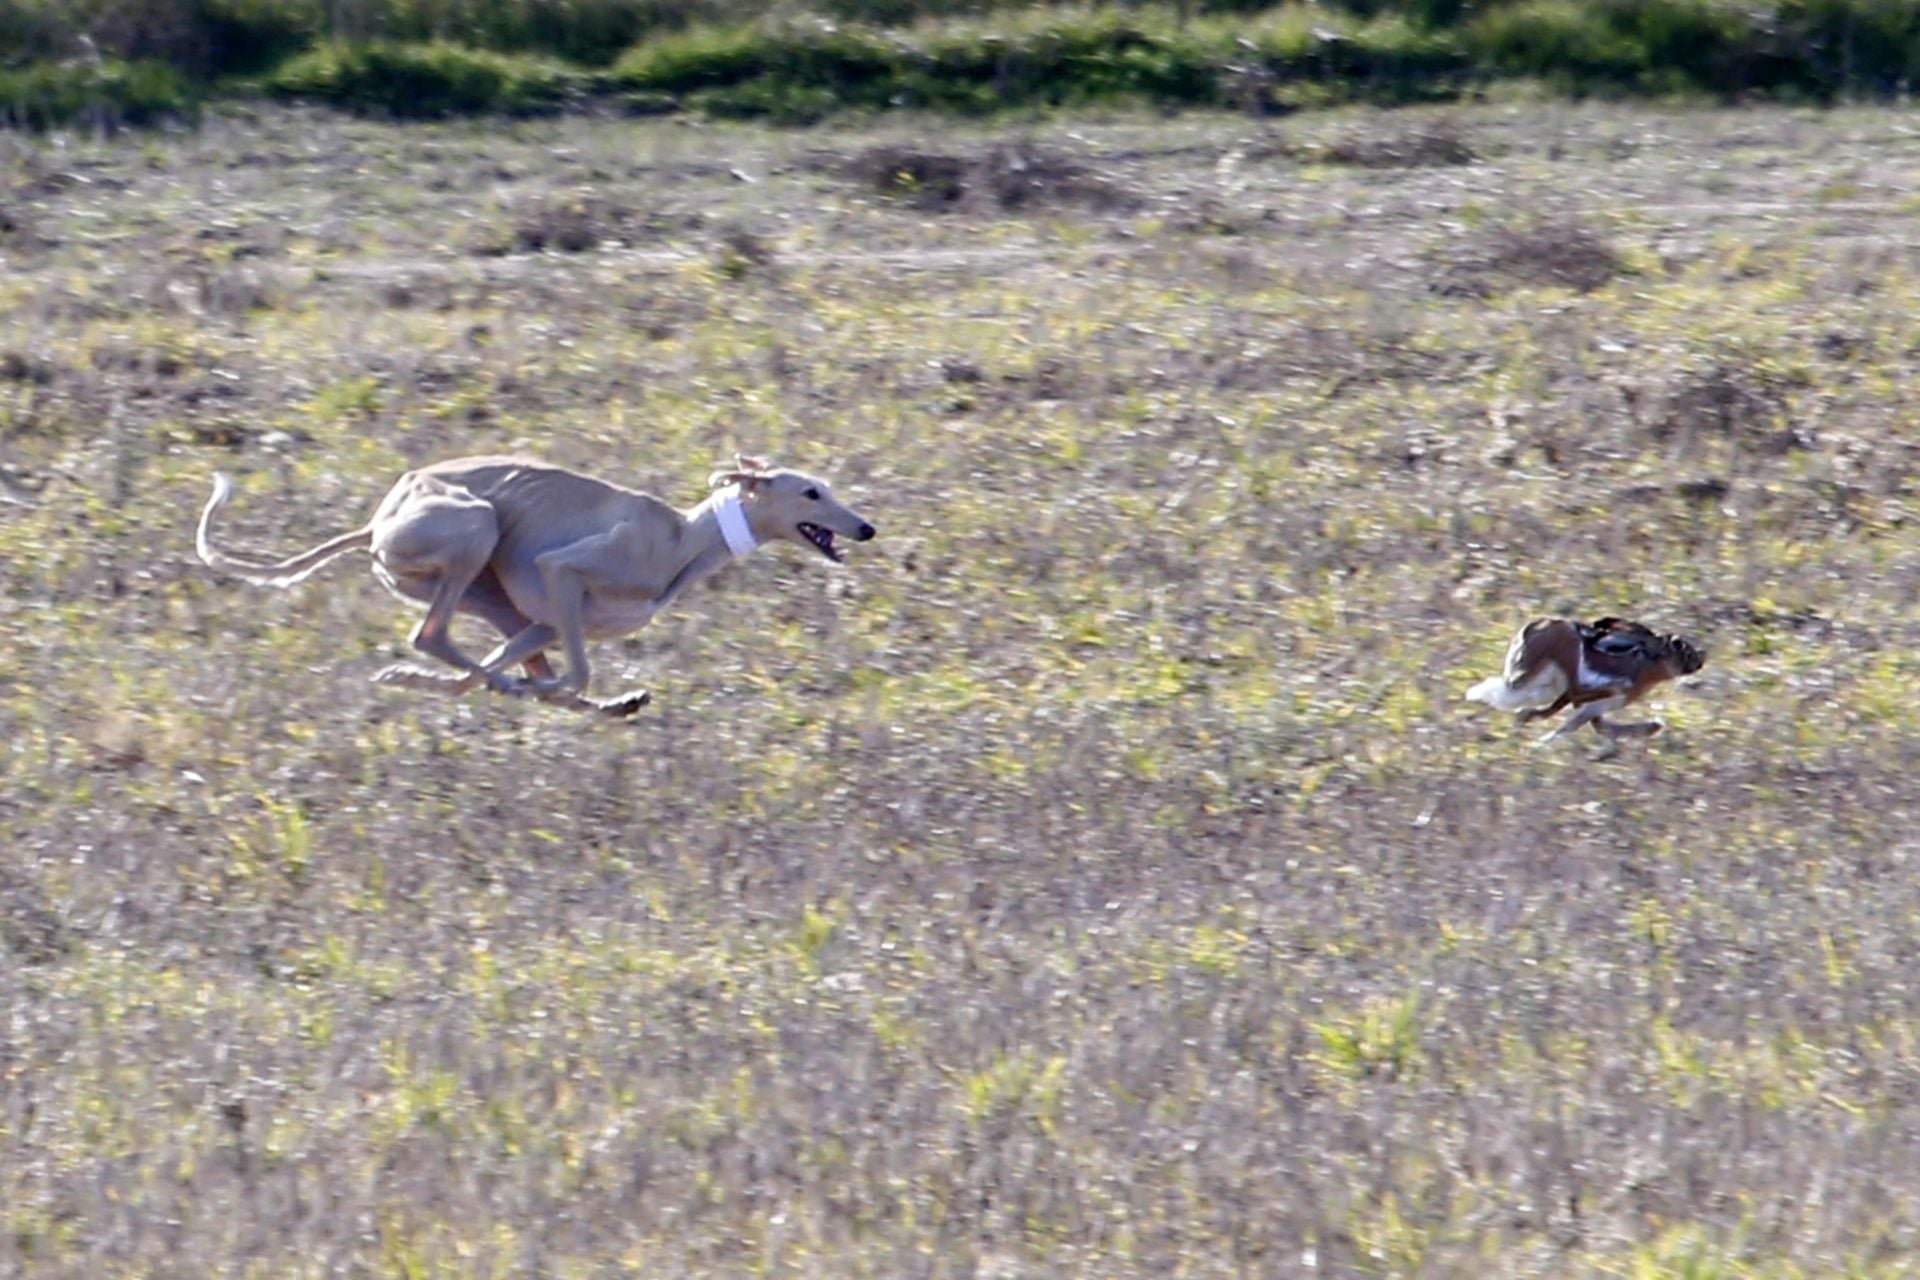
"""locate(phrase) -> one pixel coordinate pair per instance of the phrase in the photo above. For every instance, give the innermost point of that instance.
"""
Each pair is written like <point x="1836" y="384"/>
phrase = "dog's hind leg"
<point x="525" y="643"/>
<point x="436" y="547"/>
<point x="487" y="600"/>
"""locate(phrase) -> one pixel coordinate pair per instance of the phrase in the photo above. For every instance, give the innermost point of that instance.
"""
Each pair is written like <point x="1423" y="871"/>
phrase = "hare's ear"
<point x="753" y="466"/>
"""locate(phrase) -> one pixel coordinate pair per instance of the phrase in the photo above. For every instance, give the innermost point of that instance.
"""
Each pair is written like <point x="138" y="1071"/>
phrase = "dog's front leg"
<point x="566" y="573"/>
<point x="565" y="593"/>
<point x="523" y="646"/>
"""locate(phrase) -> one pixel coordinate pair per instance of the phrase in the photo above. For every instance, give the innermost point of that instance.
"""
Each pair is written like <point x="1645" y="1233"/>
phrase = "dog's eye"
<point x="813" y="495"/>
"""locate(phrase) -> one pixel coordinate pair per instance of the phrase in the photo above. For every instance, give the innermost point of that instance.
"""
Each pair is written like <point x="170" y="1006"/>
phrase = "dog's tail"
<point x="284" y="574"/>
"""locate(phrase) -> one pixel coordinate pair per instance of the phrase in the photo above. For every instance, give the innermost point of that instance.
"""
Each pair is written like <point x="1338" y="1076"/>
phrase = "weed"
<point x="1381" y="1039"/>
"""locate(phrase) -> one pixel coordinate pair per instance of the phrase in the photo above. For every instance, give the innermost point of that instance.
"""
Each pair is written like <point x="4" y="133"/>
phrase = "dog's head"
<point x="782" y="503"/>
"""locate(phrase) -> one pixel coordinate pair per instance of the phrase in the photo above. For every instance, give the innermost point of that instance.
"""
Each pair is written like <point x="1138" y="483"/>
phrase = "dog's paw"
<point x="626" y="704"/>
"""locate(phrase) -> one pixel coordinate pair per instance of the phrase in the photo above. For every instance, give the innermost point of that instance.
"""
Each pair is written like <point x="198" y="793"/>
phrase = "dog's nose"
<point x="866" y="533"/>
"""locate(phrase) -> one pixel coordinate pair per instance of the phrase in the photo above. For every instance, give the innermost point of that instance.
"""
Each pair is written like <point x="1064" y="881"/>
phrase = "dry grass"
<point x="1015" y="174"/>
<point x="1100" y="876"/>
<point x="1440" y="141"/>
<point x="1562" y="252"/>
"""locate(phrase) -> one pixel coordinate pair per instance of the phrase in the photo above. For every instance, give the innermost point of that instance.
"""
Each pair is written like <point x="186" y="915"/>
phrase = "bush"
<point x="210" y="38"/>
<point x="772" y="99"/>
<point x="199" y="38"/>
<point x="438" y="57"/>
<point x="421" y="80"/>
<point x="1805" y="48"/>
<point x="802" y="53"/>
<point x="1561" y="41"/>
<point x="800" y="70"/>
<point x="1852" y="46"/>
<point x="248" y="37"/>
<point x="107" y="95"/>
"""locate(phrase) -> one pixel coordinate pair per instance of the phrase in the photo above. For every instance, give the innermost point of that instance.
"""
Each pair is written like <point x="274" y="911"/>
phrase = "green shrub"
<point x="248" y="37"/>
<point x="421" y="80"/>
<point x="1561" y="41"/>
<point x="1818" y="49"/>
<point x="770" y="98"/>
<point x="1858" y="46"/>
<point x="788" y="66"/>
<point x="440" y="57"/>
<point x="106" y="95"/>
<point x="222" y="37"/>
<point x="200" y="38"/>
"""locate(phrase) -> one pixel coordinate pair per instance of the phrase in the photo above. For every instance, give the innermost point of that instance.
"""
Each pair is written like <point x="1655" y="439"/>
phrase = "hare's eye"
<point x="813" y="495"/>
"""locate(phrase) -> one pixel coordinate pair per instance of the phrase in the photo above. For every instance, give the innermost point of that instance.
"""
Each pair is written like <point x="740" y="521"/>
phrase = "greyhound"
<point x="548" y="556"/>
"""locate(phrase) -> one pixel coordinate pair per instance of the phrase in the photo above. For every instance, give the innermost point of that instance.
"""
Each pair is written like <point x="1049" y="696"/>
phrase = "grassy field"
<point x="1098" y="876"/>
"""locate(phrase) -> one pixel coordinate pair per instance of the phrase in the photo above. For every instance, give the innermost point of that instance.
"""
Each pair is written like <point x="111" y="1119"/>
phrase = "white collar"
<point x="733" y="521"/>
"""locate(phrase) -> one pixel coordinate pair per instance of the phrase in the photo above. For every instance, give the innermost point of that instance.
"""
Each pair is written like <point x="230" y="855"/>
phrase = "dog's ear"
<point x="747" y="471"/>
<point x="748" y="480"/>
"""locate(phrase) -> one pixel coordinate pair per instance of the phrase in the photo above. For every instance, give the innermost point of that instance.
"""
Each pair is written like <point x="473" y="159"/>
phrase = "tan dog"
<point x="1600" y="668"/>
<point x="549" y="557"/>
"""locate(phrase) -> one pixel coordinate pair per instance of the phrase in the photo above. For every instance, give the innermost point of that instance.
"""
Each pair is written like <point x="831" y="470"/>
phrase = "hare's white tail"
<point x="1542" y="691"/>
<point x="1501" y="696"/>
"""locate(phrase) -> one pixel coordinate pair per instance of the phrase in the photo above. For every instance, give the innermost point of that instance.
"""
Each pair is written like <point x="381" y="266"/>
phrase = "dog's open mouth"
<point x="821" y="538"/>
